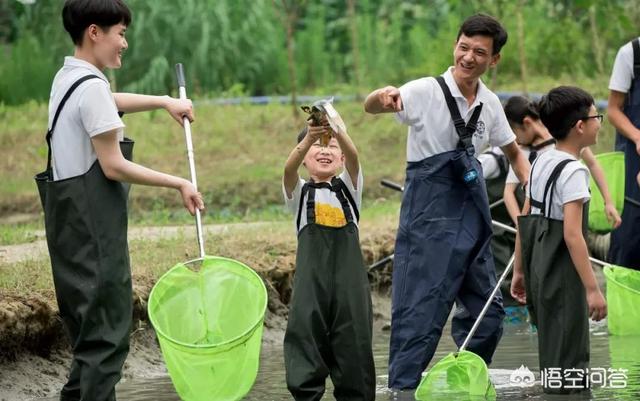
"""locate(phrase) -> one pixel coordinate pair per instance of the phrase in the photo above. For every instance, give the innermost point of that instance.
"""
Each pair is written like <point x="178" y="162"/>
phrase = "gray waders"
<point x="86" y="228"/>
<point x="330" y="319"/>
<point x="556" y="297"/>
<point x="442" y="254"/>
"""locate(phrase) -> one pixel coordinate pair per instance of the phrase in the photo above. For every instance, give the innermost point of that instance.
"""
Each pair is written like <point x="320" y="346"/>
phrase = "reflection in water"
<point x="517" y="348"/>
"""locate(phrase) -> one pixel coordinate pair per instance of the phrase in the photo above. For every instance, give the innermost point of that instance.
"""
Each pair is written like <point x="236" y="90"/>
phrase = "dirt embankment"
<point x="34" y="352"/>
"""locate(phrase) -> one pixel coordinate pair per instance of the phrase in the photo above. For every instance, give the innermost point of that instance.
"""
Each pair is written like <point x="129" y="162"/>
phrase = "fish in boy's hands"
<point x="321" y="112"/>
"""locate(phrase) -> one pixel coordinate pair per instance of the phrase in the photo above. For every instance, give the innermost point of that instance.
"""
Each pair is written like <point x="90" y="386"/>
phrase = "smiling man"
<point x="442" y="251"/>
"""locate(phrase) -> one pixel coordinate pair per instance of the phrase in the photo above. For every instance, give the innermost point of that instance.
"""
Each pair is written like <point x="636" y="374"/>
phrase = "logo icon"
<point x="480" y="128"/>
<point x="522" y="377"/>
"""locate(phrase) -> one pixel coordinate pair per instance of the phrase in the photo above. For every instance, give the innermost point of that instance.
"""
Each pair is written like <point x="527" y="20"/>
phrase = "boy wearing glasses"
<point x="534" y="139"/>
<point x="552" y="272"/>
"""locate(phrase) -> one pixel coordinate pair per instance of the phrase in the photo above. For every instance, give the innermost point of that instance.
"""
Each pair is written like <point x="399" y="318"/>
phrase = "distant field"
<point x="239" y="151"/>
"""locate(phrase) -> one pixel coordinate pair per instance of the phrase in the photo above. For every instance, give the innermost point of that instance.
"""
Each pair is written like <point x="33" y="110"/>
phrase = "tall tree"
<point x="355" y="51"/>
<point x="521" y="47"/>
<point x="290" y="12"/>
<point x="7" y="16"/>
<point x="595" y="37"/>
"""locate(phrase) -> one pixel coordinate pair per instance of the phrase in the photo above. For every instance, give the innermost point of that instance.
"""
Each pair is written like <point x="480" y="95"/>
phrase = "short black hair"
<point x="485" y="25"/>
<point x="562" y="108"/>
<point x="519" y="107"/>
<point x="302" y="134"/>
<point x="77" y="15"/>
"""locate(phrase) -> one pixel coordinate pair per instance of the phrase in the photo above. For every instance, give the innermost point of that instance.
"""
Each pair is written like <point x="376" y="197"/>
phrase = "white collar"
<point x="75" y="62"/>
<point x="455" y="91"/>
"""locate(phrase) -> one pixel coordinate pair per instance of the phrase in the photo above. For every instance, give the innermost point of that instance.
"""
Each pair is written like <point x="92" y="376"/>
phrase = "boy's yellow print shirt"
<point x="328" y="209"/>
<point x="330" y="216"/>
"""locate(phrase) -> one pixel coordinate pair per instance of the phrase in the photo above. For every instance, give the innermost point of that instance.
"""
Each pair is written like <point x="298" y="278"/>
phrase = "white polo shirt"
<point x="622" y="74"/>
<point x="572" y="184"/>
<point x="328" y="209"/>
<point x="512" y="178"/>
<point x="431" y="129"/>
<point x="91" y="110"/>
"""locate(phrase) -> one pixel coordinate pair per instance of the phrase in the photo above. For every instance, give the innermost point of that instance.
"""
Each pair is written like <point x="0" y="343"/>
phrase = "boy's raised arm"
<point x="133" y="103"/>
<point x="580" y="256"/>
<point x="351" y="162"/>
<point x="291" y="177"/>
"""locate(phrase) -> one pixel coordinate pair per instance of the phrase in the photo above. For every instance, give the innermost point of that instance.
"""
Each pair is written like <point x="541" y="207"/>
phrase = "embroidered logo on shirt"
<point x="480" y="128"/>
<point x="327" y="215"/>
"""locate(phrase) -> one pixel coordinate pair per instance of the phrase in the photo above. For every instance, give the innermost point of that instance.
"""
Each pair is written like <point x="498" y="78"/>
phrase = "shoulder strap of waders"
<point x="544" y="206"/>
<point x="341" y="191"/>
<point x="304" y="191"/>
<point x="57" y="114"/>
<point x="465" y="130"/>
<point x="533" y="202"/>
<point x="635" y="45"/>
<point x="345" y="198"/>
<point x="311" y="204"/>
<point x="309" y="188"/>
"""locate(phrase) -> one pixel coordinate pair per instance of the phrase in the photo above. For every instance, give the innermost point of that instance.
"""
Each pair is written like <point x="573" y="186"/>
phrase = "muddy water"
<point x="518" y="347"/>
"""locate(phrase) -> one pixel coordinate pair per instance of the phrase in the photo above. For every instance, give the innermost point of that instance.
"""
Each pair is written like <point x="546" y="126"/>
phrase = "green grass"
<point x="239" y="150"/>
<point x="32" y="230"/>
<point x="26" y="277"/>
<point x="20" y="233"/>
<point x="263" y="247"/>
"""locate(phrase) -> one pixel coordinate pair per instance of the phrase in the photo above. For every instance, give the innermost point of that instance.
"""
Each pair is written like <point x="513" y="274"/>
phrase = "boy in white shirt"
<point x="552" y="272"/>
<point x="534" y="139"/>
<point x="84" y="196"/>
<point x="329" y="330"/>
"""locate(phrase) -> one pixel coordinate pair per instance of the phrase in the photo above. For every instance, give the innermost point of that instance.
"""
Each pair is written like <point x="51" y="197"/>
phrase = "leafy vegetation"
<point x="239" y="152"/>
<point x="337" y="46"/>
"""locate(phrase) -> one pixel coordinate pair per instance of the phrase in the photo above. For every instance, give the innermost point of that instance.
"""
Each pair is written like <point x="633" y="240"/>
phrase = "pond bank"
<point x="40" y="369"/>
<point x="34" y="351"/>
